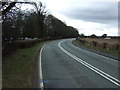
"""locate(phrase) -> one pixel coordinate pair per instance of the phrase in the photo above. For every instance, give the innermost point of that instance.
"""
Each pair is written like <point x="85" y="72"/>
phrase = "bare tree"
<point x="41" y="15"/>
<point x="6" y="6"/>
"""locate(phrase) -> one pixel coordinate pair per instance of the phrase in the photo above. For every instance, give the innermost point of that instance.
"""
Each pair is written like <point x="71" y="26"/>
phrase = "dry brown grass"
<point x="112" y="44"/>
<point x="101" y="40"/>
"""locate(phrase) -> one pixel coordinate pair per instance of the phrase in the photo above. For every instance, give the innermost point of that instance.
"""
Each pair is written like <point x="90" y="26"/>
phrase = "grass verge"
<point x="107" y="51"/>
<point x="17" y="70"/>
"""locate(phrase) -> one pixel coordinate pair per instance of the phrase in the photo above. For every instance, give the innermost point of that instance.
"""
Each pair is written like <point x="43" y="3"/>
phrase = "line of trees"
<point x="19" y="24"/>
<point x="56" y="28"/>
<point x="35" y="23"/>
<point x="93" y="36"/>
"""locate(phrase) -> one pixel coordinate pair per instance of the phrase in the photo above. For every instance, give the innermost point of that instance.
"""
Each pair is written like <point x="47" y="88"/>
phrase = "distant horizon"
<point x="100" y="35"/>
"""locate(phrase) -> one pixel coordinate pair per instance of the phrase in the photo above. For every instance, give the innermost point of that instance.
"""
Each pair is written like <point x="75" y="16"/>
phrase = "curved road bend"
<point x="67" y="66"/>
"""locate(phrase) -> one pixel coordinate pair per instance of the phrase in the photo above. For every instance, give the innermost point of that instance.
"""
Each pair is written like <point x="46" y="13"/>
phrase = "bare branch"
<point x="8" y="8"/>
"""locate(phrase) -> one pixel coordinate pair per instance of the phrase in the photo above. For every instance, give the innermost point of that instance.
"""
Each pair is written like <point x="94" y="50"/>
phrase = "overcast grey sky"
<point x="89" y="17"/>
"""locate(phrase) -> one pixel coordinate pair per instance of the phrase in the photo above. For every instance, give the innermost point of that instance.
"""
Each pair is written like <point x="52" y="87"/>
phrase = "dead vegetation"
<point x="102" y="43"/>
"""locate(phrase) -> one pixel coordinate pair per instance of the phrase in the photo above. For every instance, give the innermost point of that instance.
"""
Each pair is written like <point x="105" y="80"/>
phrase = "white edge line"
<point x="97" y="54"/>
<point x="89" y="66"/>
<point x="41" y="85"/>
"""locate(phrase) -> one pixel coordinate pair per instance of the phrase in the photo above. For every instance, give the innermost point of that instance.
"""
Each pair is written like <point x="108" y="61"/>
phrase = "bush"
<point x="10" y="47"/>
<point x="26" y="43"/>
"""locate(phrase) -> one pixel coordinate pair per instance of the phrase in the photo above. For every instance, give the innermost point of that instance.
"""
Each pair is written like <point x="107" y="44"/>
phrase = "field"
<point x="112" y="44"/>
<point x="109" y="46"/>
<point x="101" y="40"/>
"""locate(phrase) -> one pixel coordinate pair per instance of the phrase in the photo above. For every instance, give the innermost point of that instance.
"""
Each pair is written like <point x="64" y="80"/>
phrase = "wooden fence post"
<point x="104" y="45"/>
<point x="117" y="46"/>
<point x="94" y="43"/>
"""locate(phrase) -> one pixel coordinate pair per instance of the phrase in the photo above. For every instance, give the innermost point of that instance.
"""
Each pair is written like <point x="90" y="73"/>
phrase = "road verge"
<point x="19" y="68"/>
<point x="94" y="50"/>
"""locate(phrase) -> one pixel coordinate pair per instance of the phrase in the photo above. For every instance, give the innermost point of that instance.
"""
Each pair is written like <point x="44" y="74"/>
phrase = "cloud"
<point x="99" y="12"/>
<point x="88" y="16"/>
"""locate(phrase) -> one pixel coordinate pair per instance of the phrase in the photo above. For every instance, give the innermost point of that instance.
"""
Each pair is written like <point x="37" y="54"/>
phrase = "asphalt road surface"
<point x="67" y="66"/>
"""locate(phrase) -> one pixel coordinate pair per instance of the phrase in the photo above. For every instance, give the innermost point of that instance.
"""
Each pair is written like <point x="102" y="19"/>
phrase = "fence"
<point x="100" y="44"/>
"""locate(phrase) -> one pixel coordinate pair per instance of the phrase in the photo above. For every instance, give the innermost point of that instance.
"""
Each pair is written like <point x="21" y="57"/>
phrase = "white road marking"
<point x="98" y="55"/>
<point x="40" y="68"/>
<point x="98" y="71"/>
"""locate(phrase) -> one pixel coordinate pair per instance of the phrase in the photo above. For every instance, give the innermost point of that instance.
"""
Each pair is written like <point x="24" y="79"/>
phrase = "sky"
<point x="87" y="16"/>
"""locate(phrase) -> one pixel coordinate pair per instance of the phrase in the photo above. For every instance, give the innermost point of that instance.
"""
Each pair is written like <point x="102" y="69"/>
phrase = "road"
<point x="67" y="66"/>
